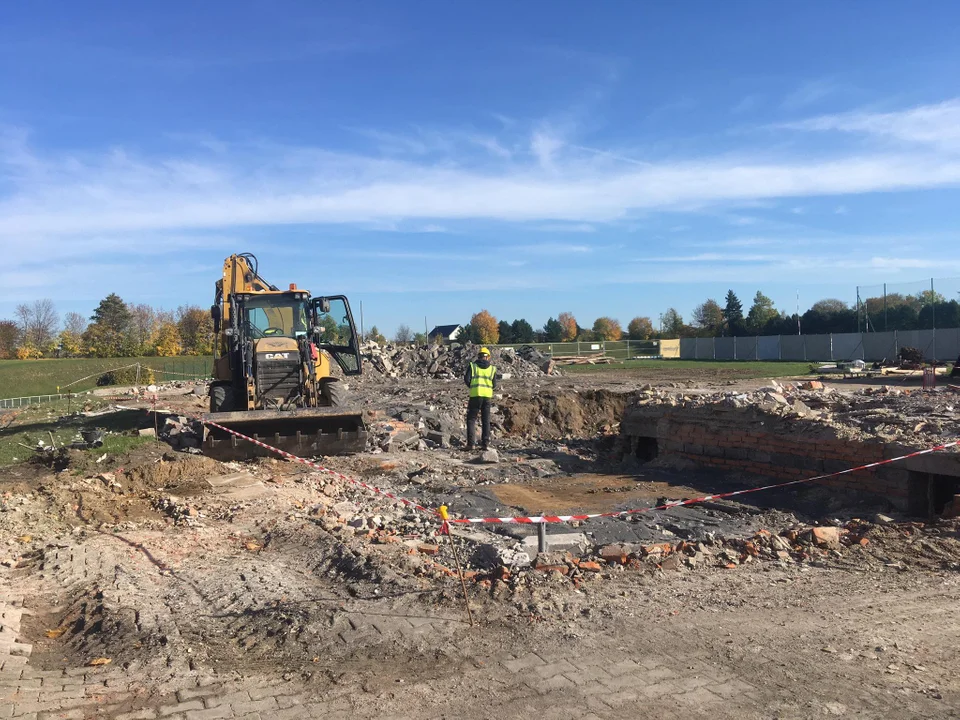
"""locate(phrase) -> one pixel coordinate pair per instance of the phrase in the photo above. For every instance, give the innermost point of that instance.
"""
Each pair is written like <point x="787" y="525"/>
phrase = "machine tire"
<point x="333" y="392"/>
<point x="221" y="398"/>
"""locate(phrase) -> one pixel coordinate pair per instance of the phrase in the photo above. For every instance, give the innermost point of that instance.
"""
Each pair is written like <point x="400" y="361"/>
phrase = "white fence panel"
<point x="723" y="348"/>
<point x="847" y="346"/>
<point x="745" y="348"/>
<point x="817" y="347"/>
<point x="879" y="346"/>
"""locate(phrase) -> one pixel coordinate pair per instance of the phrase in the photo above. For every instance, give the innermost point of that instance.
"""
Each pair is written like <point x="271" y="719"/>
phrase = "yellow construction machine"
<point x="274" y="377"/>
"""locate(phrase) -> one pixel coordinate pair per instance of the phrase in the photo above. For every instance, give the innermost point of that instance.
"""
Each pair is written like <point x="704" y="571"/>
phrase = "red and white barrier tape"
<point x="327" y="471"/>
<point x="572" y="518"/>
<point x="705" y="498"/>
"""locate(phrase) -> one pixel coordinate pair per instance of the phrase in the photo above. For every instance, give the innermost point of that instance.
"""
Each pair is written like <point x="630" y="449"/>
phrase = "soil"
<point x="177" y="568"/>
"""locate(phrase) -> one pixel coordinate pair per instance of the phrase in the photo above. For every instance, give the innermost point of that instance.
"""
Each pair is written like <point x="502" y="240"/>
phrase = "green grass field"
<point x="19" y="378"/>
<point x="699" y="368"/>
<point x="40" y="421"/>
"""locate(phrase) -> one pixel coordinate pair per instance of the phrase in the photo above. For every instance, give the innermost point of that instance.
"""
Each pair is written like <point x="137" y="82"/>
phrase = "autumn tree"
<point x="9" y="337"/>
<point x="930" y="297"/>
<point x="196" y="330"/>
<point x="75" y="323"/>
<point x="143" y="325"/>
<point x="606" y="328"/>
<point x="28" y="351"/>
<point x="761" y="313"/>
<point x="552" y="331"/>
<point x="569" y="324"/>
<point x="108" y="335"/>
<point x="70" y="344"/>
<point x="640" y="328"/>
<point x="404" y="334"/>
<point x="708" y="316"/>
<point x="166" y="341"/>
<point x="486" y="328"/>
<point x="38" y="322"/>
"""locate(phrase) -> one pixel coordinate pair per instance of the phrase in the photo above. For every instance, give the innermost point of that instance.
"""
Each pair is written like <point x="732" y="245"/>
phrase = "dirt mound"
<point x="171" y="470"/>
<point x="553" y="415"/>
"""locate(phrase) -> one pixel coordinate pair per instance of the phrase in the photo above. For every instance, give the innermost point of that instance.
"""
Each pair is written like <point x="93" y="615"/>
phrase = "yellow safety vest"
<point x="481" y="381"/>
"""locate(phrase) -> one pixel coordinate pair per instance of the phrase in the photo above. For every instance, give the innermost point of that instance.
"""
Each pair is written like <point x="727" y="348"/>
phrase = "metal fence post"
<point x="541" y="537"/>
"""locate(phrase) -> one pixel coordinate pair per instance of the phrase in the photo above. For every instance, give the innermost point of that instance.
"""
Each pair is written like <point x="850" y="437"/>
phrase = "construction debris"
<point x="450" y="361"/>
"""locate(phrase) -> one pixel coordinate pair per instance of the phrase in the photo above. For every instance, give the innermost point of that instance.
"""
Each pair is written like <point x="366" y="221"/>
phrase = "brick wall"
<point x="766" y="446"/>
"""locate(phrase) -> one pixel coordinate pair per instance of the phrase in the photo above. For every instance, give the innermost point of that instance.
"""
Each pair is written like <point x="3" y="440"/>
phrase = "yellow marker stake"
<point x="456" y="556"/>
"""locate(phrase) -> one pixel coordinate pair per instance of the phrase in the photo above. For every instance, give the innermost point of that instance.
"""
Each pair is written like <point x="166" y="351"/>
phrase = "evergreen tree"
<point x="733" y="314"/>
<point x="521" y="331"/>
<point x="553" y="331"/>
<point x="506" y="332"/>
<point x="109" y="333"/>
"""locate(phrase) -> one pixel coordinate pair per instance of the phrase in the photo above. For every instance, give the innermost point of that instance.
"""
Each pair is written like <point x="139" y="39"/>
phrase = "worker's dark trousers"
<point x="481" y="406"/>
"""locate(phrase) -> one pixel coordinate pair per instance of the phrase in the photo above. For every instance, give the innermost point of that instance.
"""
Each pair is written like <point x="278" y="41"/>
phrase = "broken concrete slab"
<point x="231" y="481"/>
<point x="490" y="456"/>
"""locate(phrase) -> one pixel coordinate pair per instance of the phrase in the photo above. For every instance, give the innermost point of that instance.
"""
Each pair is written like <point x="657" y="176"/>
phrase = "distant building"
<point x="449" y="333"/>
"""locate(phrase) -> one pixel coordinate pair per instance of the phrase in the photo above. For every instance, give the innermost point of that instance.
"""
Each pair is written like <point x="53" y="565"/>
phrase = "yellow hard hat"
<point x="483" y="351"/>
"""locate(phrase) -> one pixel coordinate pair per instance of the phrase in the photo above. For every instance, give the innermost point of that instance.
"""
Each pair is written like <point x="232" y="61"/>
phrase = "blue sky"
<point x="432" y="158"/>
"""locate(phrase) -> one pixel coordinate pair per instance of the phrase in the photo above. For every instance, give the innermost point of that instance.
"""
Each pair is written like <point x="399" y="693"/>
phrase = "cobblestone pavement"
<point x="748" y="662"/>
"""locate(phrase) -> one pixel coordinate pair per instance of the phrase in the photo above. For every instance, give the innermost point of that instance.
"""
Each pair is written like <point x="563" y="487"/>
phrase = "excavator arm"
<point x="239" y="276"/>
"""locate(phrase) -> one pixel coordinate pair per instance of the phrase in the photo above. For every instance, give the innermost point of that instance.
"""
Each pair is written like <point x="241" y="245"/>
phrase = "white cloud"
<point x="937" y="124"/>
<point x="549" y="248"/>
<point x="68" y="207"/>
<point x="545" y="144"/>
<point x="116" y="192"/>
<point x="568" y="228"/>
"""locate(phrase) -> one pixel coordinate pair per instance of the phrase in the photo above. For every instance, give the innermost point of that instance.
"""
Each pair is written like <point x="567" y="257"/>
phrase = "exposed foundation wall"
<point x="764" y="446"/>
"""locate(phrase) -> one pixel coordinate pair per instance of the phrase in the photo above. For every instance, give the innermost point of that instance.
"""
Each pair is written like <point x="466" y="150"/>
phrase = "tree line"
<point x="922" y="311"/>
<point x="116" y="329"/>
<point x="896" y="311"/>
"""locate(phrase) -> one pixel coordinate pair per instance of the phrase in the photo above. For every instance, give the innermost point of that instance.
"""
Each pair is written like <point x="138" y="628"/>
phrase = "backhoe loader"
<point x="273" y="365"/>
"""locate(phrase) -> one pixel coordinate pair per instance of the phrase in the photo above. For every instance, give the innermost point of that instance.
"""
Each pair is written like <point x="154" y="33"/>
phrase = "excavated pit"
<point x="718" y="447"/>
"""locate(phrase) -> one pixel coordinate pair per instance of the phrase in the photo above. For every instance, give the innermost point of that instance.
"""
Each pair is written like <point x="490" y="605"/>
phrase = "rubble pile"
<point x="450" y="361"/>
<point x="180" y="432"/>
<point x="884" y="412"/>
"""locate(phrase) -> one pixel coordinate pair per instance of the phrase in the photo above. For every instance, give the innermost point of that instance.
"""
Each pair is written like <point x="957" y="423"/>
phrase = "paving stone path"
<point x="654" y="669"/>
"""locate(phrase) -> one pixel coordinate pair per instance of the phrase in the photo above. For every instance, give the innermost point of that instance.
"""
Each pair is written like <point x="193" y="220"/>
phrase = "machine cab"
<point x="333" y="331"/>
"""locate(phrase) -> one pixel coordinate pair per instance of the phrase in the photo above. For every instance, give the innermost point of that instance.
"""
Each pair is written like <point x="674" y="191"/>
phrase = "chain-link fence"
<point x="916" y="305"/>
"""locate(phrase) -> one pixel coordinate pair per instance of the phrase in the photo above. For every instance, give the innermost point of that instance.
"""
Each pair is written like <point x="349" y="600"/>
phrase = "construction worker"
<point x="481" y="378"/>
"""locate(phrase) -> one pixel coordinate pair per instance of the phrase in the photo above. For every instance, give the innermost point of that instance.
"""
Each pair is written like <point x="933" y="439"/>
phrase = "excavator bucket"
<point x="305" y="432"/>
